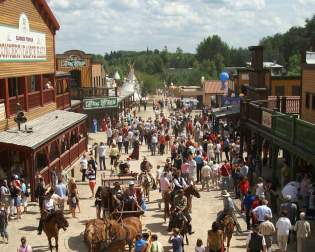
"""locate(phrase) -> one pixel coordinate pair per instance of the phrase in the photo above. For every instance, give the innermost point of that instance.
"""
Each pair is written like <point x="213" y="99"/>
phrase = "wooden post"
<point x="32" y="175"/>
<point x="41" y="87"/>
<point x="274" y="162"/>
<point x="25" y="93"/>
<point x="53" y="82"/>
<point x="6" y="95"/>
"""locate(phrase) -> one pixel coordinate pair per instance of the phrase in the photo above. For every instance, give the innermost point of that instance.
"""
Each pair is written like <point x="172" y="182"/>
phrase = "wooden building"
<point x="84" y="70"/>
<point x="308" y="88"/>
<point x="50" y="138"/>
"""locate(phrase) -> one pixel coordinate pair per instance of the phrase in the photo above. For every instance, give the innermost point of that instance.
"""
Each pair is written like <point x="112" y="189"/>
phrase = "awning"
<point x="228" y="111"/>
<point x="41" y="130"/>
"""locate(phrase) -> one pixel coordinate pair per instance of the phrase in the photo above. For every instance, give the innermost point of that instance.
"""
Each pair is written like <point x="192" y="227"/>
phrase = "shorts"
<point x="17" y="201"/>
<point x="92" y="184"/>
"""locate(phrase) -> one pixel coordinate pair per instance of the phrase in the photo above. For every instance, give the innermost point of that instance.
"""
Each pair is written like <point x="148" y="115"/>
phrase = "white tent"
<point x="131" y="85"/>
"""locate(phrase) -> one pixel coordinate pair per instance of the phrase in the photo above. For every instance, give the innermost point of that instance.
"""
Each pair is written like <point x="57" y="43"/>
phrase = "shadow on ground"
<point x="157" y="228"/>
<point x="76" y="243"/>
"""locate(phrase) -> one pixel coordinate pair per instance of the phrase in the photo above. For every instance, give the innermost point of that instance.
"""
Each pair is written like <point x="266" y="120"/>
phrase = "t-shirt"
<point x="27" y="248"/>
<point x="261" y="212"/>
<point x="283" y="226"/>
<point x="177" y="243"/>
<point x="200" y="249"/>
<point x="84" y="163"/>
<point x="139" y="245"/>
<point x="101" y="150"/>
<point x="205" y="171"/>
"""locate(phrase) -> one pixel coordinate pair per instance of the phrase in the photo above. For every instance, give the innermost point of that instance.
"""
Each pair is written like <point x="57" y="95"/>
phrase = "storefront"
<point x="48" y="138"/>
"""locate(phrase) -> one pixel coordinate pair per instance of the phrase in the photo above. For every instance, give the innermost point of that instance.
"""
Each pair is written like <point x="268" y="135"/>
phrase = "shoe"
<point x="39" y="232"/>
<point x="192" y="232"/>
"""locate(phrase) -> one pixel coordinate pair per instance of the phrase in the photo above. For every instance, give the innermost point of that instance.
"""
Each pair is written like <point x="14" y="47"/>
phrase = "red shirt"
<point x="225" y="170"/>
<point x="244" y="186"/>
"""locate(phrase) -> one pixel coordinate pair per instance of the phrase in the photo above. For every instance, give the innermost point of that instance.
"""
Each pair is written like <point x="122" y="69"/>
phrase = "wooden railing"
<point x="48" y="95"/>
<point x="63" y="101"/>
<point x="13" y="101"/>
<point x="80" y="93"/>
<point x="285" y="104"/>
<point x="34" y="99"/>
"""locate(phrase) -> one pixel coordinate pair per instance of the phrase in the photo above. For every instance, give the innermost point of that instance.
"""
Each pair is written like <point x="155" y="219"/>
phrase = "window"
<point x="13" y="87"/>
<point x="296" y="91"/>
<point x="307" y="100"/>
<point x="313" y="101"/>
<point x="279" y="90"/>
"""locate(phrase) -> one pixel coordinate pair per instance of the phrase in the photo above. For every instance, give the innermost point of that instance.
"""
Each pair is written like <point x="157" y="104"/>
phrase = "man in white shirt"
<point x="101" y="156"/>
<point x="154" y="141"/>
<point x="205" y="176"/>
<point x="215" y="174"/>
<point x="84" y="166"/>
<point x="283" y="226"/>
<point x="109" y="133"/>
<point x="261" y="211"/>
<point x="192" y="169"/>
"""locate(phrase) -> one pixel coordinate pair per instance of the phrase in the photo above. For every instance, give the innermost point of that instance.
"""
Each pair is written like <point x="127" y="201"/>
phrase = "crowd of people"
<point x="201" y="152"/>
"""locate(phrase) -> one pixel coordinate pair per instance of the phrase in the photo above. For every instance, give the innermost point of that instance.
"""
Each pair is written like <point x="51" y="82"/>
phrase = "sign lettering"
<point x="73" y="61"/>
<point x="21" y="44"/>
<point x="100" y="103"/>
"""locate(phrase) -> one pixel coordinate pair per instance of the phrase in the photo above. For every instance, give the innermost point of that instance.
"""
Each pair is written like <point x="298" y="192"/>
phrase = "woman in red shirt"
<point x="244" y="186"/>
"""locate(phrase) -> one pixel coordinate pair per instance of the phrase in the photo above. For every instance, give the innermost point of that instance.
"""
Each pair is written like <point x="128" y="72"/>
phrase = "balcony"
<point x="80" y="93"/>
<point x="282" y="123"/>
<point x="63" y="100"/>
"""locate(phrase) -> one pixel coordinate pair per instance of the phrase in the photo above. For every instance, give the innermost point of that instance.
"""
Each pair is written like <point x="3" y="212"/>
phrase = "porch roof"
<point x="41" y="129"/>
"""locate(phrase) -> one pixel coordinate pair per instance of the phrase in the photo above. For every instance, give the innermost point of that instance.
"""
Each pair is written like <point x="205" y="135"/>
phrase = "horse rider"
<point x="117" y="192"/>
<point x="48" y="208"/>
<point x="181" y="211"/>
<point x="145" y="168"/>
<point x="178" y="183"/>
<point x="124" y="167"/>
<point x="130" y="197"/>
<point x="228" y="209"/>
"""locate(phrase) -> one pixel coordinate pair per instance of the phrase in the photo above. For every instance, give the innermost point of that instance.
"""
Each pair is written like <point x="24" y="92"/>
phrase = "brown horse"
<point x="228" y="226"/>
<point x="120" y="234"/>
<point x="94" y="234"/>
<point x="188" y="191"/>
<point x="51" y="226"/>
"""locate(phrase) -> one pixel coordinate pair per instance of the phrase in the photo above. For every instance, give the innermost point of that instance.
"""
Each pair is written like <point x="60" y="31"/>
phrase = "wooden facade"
<point x="85" y="72"/>
<point x="28" y="80"/>
<point x="308" y="93"/>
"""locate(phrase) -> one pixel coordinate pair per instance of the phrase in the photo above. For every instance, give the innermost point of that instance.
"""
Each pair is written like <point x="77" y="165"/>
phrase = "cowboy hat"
<point x="225" y="193"/>
<point x="131" y="183"/>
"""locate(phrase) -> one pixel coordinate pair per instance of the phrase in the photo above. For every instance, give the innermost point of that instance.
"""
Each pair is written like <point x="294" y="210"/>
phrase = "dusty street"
<point x="203" y="214"/>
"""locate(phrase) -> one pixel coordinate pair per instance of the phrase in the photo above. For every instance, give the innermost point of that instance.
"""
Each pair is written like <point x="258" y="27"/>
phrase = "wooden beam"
<point x="6" y="97"/>
<point x="41" y="88"/>
<point x="25" y="93"/>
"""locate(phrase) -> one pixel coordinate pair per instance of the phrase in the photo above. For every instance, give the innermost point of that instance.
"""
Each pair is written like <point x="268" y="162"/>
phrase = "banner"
<point x="20" y="44"/>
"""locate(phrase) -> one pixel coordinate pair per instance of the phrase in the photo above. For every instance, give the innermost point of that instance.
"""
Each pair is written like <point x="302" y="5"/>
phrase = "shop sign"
<point x="266" y="119"/>
<point x="2" y="112"/>
<point x="20" y="44"/>
<point x="100" y="103"/>
<point x="73" y="61"/>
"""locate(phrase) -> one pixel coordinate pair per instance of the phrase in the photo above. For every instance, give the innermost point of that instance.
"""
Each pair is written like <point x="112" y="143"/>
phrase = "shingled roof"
<point x="214" y="87"/>
<point x="44" y="128"/>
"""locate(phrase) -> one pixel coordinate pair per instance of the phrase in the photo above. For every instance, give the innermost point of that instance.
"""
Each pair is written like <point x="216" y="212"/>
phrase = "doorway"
<point x="76" y="78"/>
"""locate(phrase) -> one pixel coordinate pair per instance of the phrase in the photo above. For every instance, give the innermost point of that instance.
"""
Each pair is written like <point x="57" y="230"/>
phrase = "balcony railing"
<point x="34" y="99"/>
<point x="63" y="101"/>
<point x="80" y="93"/>
<point x="48" y="95"/>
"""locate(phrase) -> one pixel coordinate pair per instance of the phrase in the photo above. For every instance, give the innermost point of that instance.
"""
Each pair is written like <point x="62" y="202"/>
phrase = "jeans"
<point x="83" y="175"/>
<point x="102" y="163"/>
<point x="227" y="154"/>
<point x="217" y="157"/>
<point x="153" y="149"/>
<point x="248" y="215"/>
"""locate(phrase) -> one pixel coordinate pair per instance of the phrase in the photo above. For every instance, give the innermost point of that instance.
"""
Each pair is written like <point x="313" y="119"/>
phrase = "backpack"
<point x="255" y="243"/>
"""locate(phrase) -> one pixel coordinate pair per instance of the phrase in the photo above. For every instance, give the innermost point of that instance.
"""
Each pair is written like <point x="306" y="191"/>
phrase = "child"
<point x="199" y="247"/>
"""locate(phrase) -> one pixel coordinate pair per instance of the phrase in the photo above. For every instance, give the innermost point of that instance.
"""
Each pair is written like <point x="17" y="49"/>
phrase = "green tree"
<point x="294" y="67"/>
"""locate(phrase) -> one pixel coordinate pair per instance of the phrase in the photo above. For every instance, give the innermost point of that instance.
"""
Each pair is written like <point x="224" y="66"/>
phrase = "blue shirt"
<point x="199" y="159"/>
<point x="61" y="190"/>
<point x="177" y="243"/>
<point x="139" y="245"/>
<point x="248" y="201"/>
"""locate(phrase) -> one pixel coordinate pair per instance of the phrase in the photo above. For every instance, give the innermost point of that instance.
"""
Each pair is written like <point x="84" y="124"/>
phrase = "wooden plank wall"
<point x="308" y="114"/>
<point x="32" y="114"/>
<point x="86" y="71"/>
<point x="10" y="11"/>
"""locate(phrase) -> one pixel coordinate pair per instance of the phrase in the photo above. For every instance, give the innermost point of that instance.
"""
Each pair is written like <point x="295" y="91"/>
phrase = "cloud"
<point x="99" y="26"/>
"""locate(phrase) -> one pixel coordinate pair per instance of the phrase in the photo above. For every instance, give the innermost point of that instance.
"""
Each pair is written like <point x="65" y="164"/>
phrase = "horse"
<point x="51" y="226"/>
<point x="227" y="226"/>
<point x="188" y="192"/>
<point x="146" y="182"/>
<point x="94" y="234"/>
<point x="120" y="234"/>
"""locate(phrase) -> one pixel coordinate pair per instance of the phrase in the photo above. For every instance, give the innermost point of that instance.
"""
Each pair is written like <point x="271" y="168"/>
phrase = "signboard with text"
<point x="100" y="103"/>
<point x="19" y="44"/>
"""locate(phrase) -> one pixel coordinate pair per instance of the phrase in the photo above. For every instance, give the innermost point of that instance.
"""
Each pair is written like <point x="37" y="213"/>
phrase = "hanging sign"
<point x="100" y="103"/>
<point x="73" y="61"/>
<point x="20" y="44"/>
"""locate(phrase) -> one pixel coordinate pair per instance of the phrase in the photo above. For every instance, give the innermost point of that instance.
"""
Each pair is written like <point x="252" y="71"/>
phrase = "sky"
<point x="99" y="26"/>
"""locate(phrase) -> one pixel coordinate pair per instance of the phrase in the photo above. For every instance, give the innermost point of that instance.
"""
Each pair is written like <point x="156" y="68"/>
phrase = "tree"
<point x="294" y="67"/>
